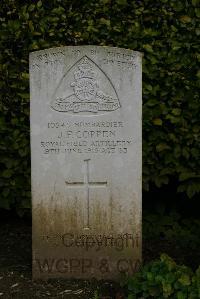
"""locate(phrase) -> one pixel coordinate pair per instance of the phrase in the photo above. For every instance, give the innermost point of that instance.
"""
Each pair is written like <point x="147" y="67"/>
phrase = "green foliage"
<point x="96" y="295"/>
<point x="166" y="31"/>
<point x="172" y="227"/>
<point x="163" y="279"/>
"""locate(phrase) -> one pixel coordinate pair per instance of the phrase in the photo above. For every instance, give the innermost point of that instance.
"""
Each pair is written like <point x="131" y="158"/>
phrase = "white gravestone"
<point x="86" y="152"/>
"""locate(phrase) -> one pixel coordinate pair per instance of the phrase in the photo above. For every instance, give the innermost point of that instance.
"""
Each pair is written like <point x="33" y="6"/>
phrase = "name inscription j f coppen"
<point x="85" y="93"/>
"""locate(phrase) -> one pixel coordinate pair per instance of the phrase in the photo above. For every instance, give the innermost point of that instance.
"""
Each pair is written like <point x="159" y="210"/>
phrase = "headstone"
<point x="86" y="157"/>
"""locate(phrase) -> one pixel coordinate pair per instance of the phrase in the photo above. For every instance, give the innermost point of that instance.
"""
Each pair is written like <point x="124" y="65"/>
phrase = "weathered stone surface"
<point x="86" y="161"/>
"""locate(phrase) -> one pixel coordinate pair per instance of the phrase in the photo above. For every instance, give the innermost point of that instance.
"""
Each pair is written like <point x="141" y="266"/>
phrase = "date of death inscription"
<point x="79" y="137"/>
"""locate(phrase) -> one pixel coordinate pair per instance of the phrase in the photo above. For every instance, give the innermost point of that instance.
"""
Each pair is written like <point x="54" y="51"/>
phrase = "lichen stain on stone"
<point x="99" y="217"/>
<point x="72" y="215"/>
<point x="111" y="209"/>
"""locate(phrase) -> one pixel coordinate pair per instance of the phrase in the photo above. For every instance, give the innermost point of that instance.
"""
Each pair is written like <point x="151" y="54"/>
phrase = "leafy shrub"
<point x="163" y="279"/>
<point x="165" y="31"/>
<point x="172" y="227"/>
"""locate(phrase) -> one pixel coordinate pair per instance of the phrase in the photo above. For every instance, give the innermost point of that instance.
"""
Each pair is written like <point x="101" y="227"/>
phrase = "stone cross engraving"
<point x="87" y="184"/>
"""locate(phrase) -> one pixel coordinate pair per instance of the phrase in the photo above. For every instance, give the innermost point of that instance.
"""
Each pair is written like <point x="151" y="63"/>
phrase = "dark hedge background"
<point x="168" y="34"/>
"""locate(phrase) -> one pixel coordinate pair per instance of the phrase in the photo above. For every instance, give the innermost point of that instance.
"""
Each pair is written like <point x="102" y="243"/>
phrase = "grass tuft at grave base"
<point x="166" y="31"/>
<point x="158" y="276"/>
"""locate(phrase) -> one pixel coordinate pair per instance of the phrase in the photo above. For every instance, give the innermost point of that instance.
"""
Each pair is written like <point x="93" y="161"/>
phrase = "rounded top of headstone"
<point x="63" y="48"/>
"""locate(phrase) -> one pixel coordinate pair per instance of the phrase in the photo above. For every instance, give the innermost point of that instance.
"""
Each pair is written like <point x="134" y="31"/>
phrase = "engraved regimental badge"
<point x="85" y="89"/>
